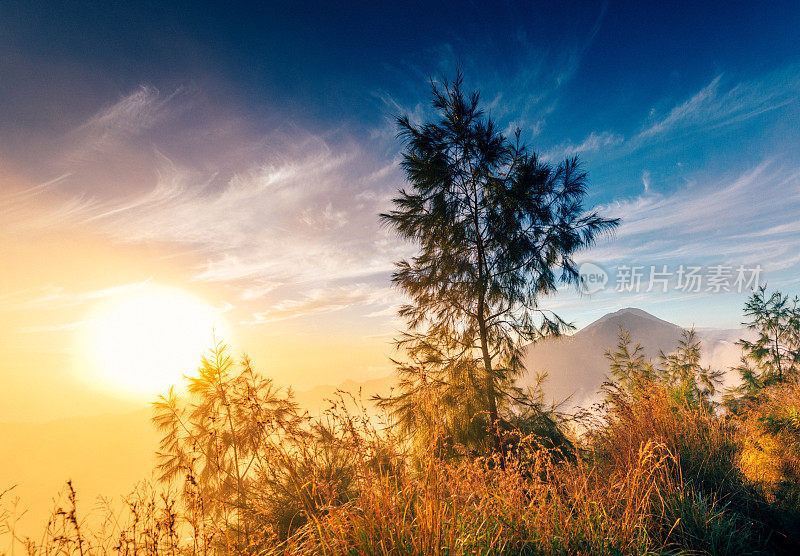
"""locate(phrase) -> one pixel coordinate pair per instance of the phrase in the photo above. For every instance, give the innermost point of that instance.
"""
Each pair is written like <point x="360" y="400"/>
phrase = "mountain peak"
<point x="635" y="311"/>
<point x="622" y="316"/>
<point x="577" y="368"/>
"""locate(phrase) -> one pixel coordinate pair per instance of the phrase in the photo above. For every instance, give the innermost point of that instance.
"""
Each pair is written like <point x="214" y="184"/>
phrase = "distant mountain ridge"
<point x="576" y="365"/>
<point x="316" y="400"/>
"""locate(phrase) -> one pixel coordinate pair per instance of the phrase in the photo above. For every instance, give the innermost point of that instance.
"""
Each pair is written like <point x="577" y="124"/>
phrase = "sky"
<point x="240" y="154"/>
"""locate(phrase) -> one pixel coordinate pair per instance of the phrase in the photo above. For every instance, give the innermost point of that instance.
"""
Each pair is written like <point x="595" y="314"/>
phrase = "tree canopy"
<point x="497" y="228"/>
<point x="773" y="357"/>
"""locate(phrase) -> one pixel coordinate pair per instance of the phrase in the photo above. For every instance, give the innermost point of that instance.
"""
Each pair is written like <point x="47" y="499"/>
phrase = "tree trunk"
<point x="491" y="393"/>
<point x="778" y="358"/>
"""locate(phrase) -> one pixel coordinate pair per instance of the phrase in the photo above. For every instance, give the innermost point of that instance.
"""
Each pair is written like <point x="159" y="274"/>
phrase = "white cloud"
<point x="685" y="111"/>
<point x="594" y="142"/>
<point x="714" y="106"/>
<point x="732" y="220"/>
<point x="134" y="112"/>
<point x="276" y="215"/>
<point x="324" y="301"/>
<point x="229" y="268"/>
<point x="57" y="297"/>
<point x="137" y="112"/>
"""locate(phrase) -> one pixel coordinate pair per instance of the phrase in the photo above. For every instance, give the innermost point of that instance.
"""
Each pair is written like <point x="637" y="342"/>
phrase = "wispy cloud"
<point x="229" y="268"/>
<point x="323" y="301"/>
<point x="594" y="142"/>
<point x="725" y="220"/>
<point x="716" y="105"/>
<point x="646" y="180"/>
<point x="691" y="109"/>
<point x="131" y="116"/>
<point x="283" y="217"/>
<point x="521" y="92"/>
<point x="57" y="297"/>
<point x="136" y="111"/>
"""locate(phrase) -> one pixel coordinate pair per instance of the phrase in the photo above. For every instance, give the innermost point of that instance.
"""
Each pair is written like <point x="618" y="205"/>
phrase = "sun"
<point x="143" y="344"/>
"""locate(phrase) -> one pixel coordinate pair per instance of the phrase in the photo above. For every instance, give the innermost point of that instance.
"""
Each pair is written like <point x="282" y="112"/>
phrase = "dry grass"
<point x="546" y="506"/>
<point x="770" y="459"/>
<point x="652" y="477"/>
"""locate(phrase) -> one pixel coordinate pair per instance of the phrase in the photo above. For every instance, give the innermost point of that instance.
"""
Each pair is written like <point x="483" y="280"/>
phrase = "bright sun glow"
<point x="145" y="343"/>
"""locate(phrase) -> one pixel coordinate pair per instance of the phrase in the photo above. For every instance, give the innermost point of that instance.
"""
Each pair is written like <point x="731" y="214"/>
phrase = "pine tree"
<point x="776" y="350"/>
<point x="773" y="358"/>
<point x="629" y="368"/>
<point x="679" y="372"/>
<point x="223" y="435"/>
<point x="497" y="229"/>
<point x="688" y="380"/>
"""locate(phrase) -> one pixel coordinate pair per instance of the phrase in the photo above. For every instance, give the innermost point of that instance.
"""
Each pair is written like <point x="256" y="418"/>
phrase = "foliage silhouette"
<point x="679" y="372"/>
<point x="773" y="358"/>
<point x="497" y="229"/>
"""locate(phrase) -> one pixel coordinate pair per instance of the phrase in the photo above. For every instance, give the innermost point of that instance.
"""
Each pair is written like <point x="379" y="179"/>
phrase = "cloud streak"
<point x="57" y="297"/>
<point x="715" y="106"/>
<point x="593" y="143"/>
<point x="324" y="301"/>
<point x="732" y="220"/>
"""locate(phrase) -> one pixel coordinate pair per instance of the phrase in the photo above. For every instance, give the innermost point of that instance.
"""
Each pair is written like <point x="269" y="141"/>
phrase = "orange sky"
<point x="63" y="272"/>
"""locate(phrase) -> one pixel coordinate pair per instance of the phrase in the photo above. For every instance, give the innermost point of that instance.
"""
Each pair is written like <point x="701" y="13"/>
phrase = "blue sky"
<point x="251" y="147"/>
